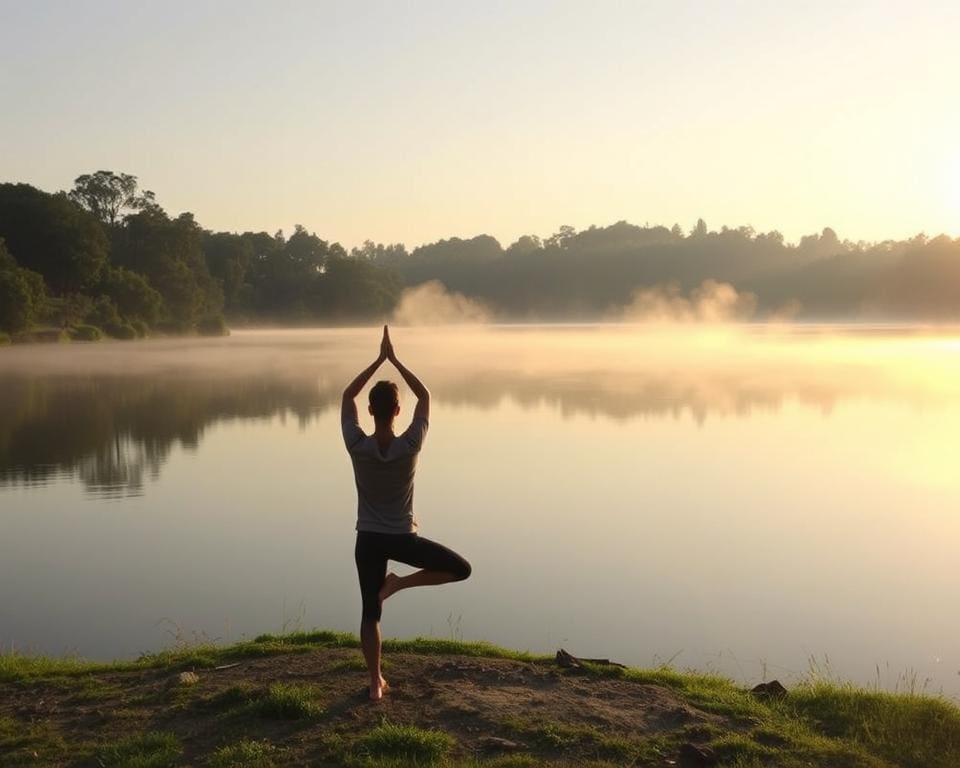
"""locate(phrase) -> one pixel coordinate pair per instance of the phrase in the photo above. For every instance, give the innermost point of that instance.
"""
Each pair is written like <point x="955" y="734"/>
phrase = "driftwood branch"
<point x="569" y="661"/>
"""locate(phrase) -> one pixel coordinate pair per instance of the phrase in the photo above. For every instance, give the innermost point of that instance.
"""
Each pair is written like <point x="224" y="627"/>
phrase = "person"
<point x="384" y="465"/>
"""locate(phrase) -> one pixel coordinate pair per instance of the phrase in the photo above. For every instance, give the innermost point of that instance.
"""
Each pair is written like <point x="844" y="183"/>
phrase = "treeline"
<point x="596" y="273"/>
<point x="105" y="257"/>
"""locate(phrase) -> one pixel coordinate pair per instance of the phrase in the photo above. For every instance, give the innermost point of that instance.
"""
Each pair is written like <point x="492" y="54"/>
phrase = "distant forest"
<point x="106" y="258"/>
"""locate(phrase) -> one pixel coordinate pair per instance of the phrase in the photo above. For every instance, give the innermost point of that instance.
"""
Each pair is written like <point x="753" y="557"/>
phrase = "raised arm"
<point x="348" y="408"/>
<point x="416" y="386"/>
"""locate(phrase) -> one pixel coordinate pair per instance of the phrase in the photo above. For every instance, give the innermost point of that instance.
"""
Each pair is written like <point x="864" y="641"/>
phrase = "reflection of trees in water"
<point x="623" y="396"/>
<point x="118" y="470"/>
<point x="113" y="431"/>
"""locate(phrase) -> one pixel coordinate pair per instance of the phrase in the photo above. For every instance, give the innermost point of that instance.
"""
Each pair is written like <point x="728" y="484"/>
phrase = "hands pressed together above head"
<point x="386" y="347"/>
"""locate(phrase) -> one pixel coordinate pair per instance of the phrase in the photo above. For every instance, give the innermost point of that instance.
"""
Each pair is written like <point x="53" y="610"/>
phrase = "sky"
<point x="414" y="121"/>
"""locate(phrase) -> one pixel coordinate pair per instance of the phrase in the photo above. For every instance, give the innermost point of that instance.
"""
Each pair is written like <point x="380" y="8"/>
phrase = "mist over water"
<point x="744" y="496"/>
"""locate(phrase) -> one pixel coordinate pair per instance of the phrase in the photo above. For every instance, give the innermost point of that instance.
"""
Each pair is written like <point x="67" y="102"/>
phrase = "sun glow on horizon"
<point x="428" y="121"/>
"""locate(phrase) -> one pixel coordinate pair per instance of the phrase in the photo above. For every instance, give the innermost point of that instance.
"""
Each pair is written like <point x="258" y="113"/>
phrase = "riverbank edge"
<point x="815" y="723"/>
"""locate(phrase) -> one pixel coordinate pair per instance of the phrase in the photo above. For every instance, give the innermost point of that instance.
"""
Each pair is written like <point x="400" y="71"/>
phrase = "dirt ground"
<point x="537" y="708"/>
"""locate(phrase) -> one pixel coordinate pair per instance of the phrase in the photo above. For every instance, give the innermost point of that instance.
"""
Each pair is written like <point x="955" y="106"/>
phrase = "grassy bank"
<point x="299" y="699"/>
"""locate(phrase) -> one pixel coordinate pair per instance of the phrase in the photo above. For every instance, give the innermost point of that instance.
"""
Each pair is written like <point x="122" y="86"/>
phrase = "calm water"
<point x="742" y="501"/>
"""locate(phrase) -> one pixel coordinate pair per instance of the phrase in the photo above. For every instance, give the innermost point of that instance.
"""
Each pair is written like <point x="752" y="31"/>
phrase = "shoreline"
<point x="299" y="699"/>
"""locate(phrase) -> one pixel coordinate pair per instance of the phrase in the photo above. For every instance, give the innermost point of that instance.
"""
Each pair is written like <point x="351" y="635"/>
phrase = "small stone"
<point x="771" y="690"/>
<point x="187" y="678"/>
<point x="496" y="744"/>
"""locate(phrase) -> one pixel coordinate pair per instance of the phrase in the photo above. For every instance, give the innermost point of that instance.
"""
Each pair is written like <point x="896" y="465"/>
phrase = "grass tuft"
<point x="148" y="750"/>
<point x="233" y="697"/>
<point x="18" y="667"/>
<point x="406" y="742"/>
<point x="438" y="646"/>
<point x="913" y="731"/>
<point x="286" y="701"/>
<point x="245" y="754"/>
<point x="588" y="740"/>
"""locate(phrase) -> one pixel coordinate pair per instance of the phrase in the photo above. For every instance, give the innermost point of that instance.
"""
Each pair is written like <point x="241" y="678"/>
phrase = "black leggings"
<point x="374" y="549"/>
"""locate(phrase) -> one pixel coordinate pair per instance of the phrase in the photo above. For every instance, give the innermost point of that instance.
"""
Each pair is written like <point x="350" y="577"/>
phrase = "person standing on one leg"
<point x="383" y="466"/>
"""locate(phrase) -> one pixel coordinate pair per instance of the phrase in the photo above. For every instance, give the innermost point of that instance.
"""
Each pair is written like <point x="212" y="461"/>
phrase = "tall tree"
<point x="168" y="252"/>
<point x="106" y="194"/>
<point x="52" y="235"/>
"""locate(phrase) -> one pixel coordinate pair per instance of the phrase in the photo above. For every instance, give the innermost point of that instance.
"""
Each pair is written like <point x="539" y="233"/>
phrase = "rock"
<point x="692" y="756"/>
<point x="185" y="678"/>
<point x="496" y="744"/>
<point x="771" y="690"/>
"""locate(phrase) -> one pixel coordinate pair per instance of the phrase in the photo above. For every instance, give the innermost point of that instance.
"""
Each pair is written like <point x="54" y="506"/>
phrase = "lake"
<point x="759" y="501"/>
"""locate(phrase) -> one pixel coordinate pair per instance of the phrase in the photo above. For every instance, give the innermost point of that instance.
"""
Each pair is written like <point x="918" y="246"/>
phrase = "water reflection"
<point x="110" y="415"/>
<point x="702" y="491"/>
<point x="113" y="432"/>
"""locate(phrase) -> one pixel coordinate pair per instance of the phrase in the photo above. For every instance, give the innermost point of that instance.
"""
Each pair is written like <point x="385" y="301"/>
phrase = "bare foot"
<point x="379" y="689"/>
<point x="390" y="585"/>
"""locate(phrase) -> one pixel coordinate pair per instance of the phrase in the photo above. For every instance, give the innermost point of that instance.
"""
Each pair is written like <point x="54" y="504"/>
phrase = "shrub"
<point x="103" y="313"/>
<point x="140" y="328"/>
<point x="120" y="331"/>
<point x="214" y="325"/>
<point x="4" y="339"/>
<point x="16" y="301"/>
<point x="132" y="294"/>
<point x="86" y="333"/>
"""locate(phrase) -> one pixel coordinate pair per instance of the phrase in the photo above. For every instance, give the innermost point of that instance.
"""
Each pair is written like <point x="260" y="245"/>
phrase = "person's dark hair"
<point x="384" y="399"/>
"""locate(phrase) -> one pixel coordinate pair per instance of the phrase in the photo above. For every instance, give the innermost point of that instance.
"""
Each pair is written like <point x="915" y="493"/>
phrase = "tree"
<point x="168" y="253"/>
<point x="22" y="294"/>
<point x="525" y="244"/>
<point x="52" y="235"/>
<point x="560" y="238"/>
<point x="132" y="295"/>
<point x="378" y="253"/>
<point x="353" y="288"/>
<point x="230" y="259"/>
<point x="105" y="194"/>
<point x="288" y="272"/>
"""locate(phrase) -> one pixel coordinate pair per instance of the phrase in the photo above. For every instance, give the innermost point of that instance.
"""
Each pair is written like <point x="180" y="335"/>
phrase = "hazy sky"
<point x="411" y="121"/>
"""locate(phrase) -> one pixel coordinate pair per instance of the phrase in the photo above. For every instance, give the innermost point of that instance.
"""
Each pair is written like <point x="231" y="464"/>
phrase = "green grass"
<point x="912" y="731"/>
<point x="816" y="724"/>
<point x="245" y="754"/>
<point x="405" y="742"/>
<point x="358" y="664"/>
<point x="711" y="693"/>
<point x="286" y="701"/>
<point x="234" y="697"/>
<point x="585" y="740"/>
<point x="148" y="750"/>
<point x="18" y="667"/>
<point x="28" y="744"/>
